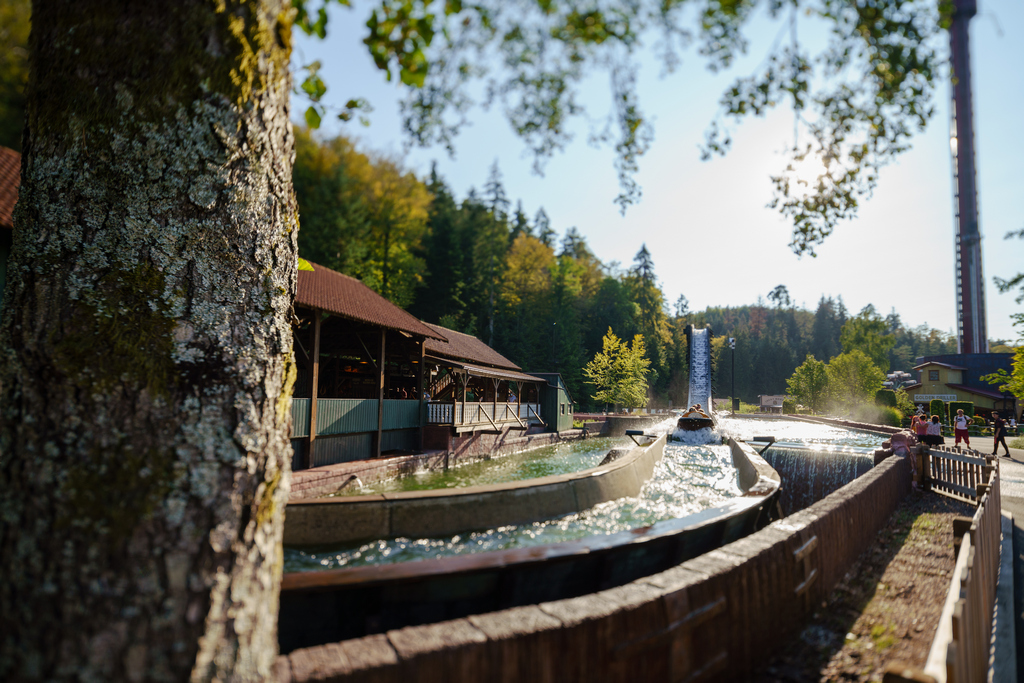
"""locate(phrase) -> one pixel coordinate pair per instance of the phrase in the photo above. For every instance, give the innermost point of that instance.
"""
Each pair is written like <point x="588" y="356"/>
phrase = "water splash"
<point x="697" y="437"/>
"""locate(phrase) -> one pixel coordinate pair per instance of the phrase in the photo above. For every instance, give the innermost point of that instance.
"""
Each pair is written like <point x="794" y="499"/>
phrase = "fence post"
<point x="924" y="470"/>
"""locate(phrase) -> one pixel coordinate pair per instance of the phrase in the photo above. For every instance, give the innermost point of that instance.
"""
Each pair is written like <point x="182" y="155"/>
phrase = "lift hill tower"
<point x="972" y="335"/>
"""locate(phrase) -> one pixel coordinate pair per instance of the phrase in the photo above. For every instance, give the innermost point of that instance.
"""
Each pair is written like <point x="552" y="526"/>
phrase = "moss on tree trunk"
<point x="146" y="345"/>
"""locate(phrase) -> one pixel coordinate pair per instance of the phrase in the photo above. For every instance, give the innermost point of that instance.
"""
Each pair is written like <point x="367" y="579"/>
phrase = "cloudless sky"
<point x="706" y="224"/>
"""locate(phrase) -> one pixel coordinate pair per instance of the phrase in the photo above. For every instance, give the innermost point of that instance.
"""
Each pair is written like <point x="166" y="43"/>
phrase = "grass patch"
<point x="883" y="637"/>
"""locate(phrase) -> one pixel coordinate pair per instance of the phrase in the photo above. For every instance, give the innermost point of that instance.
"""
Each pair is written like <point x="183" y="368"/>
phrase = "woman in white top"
<point x="960" y="424"/>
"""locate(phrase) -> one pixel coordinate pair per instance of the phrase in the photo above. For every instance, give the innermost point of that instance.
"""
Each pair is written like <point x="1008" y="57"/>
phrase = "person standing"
<point x="921" y="429"/>
<point x="933" y="436"/>
<point x="960" y="424"/>
<point x="999" y="435"/>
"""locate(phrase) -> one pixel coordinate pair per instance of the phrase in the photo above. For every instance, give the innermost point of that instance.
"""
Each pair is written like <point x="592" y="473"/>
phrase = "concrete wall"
<point x="420" y="514"/>
<point x="714" y="617"/>
<point x="618" y="424"/>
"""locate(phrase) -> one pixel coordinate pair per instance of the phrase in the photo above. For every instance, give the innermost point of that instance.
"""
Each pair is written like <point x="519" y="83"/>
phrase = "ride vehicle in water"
<point x="695" y="418"/>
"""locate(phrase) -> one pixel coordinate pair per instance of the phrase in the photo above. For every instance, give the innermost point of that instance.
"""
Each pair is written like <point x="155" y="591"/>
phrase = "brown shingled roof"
<point x="10" y="178"/>
<point x="465" y="347"/>
<point x="346" y="296"/>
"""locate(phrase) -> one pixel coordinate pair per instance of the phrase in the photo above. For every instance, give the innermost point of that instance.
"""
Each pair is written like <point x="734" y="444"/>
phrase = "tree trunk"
<point x="146" y="364"/>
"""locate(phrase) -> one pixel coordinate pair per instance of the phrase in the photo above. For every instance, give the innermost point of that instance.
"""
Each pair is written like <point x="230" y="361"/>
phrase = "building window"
<point x="563" y="408"/>
<point x="933" y="375"/>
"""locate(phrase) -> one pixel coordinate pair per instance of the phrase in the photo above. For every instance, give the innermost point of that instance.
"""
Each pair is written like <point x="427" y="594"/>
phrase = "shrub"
<point x="885" y="397"/>
<point x="966" y="406"/>
<point x="789" y="406"/>
<point x="890" y="416"/>
<point x="938" y="407"/>
<point x="903" y="402"/>
<point x="979" y="420"/>
<point x="879" y="415"/>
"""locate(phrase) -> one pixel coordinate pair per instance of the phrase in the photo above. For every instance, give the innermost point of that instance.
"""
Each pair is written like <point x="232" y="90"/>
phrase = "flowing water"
<point x="562" y="458"/>
<point x="812" y="459"/>
<point x="695" y="473"/>
<point x="700" y="369"/>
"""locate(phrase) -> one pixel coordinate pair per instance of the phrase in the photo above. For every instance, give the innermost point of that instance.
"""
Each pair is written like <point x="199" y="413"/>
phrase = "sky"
<point x="706" y="223"/>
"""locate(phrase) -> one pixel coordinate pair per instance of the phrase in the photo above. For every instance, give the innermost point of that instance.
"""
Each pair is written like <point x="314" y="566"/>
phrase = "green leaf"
<point x="305" y="265"/>
<point x="313" y="118"/>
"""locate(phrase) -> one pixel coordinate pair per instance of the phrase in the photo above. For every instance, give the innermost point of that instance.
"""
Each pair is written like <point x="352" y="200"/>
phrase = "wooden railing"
<point x="961" y="647"/>
<point x="955" y="472"/>
<point x="960" y="650"/>
<point x="482" y="414"/>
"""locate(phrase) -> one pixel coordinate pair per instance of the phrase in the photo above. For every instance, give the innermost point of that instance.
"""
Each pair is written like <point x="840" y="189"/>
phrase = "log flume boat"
<point x="691" y="421"/>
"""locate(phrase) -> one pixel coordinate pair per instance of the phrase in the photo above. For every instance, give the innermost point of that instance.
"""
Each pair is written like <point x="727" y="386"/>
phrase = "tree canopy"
<point x="809" y="383"/>
<point x="860" y="98"/>
<point x="853" y="379"/>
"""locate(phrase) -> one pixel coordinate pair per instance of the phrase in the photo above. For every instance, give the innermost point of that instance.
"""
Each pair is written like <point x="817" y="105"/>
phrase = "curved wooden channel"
<point x="330" y="606"/>
<point x="443" y="512"/>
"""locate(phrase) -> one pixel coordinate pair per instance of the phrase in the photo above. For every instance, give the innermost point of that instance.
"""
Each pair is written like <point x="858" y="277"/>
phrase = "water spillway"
<point x="810" y="474"/>
<point x="813" y="460"/>
<point x="700" y="368"/>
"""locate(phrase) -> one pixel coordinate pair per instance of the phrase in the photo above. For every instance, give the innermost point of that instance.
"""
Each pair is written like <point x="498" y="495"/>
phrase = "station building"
<point x="374" y="381"/>
<point x="957" y="377"/>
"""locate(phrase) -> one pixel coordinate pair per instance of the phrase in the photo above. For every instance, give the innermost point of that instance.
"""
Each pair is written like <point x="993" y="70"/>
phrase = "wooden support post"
<point x="494" y="399"/>
<point x="519" y="401"/>
<point x="380" y="393"/>
<point x="421" y="385"/>
<point x="464" y="381"/>
<point x="314" y="381"/>
<point x="925" y="469"/>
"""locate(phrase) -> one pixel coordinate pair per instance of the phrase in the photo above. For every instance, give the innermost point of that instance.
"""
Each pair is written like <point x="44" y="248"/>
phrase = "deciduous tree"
<point x="868" y="332"/>
<point x="809" y="383"/>
<point x="853" y="379"/>
<point x="619" y="372"/>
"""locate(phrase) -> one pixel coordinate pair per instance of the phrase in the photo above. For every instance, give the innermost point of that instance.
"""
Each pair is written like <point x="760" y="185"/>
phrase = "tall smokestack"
<point x="972" y="335"/>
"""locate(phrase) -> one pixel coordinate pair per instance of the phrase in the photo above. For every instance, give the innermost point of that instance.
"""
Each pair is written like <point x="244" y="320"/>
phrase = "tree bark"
<point x="146" y="364"/>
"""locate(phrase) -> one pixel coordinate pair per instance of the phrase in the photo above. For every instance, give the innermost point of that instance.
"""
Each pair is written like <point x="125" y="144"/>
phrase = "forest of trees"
<point x="540" y="296"/>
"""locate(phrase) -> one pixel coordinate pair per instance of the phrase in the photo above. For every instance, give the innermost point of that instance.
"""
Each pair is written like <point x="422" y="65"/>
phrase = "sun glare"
<point x="807" y="171"/>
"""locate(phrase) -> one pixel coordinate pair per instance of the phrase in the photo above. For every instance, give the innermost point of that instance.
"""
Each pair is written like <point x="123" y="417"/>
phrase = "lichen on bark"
<point x="145" y="352"/>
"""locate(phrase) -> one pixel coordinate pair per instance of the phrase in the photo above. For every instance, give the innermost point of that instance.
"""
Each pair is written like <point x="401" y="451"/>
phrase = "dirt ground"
<point x="887" y="606"/>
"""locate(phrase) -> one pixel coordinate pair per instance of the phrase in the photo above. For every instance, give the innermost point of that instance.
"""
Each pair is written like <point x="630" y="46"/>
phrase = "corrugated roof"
<point x="990" y="393"/>
<point x="10" y="178"/>
<point x="466" y="347"/>
<point x="346" y="296"/>
<point x="934" y="362"/>
<point x="479" y="371"/>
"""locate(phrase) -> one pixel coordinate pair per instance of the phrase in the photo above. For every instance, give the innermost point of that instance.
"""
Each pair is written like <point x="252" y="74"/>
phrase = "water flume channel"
<point x="691" y="477"/>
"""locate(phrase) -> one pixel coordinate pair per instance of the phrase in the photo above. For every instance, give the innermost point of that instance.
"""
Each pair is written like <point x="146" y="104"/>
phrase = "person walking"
<point x="999" y="435"/>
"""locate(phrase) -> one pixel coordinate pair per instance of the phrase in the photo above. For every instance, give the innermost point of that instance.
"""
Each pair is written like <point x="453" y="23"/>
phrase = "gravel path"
<point x="887" y="606"/>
